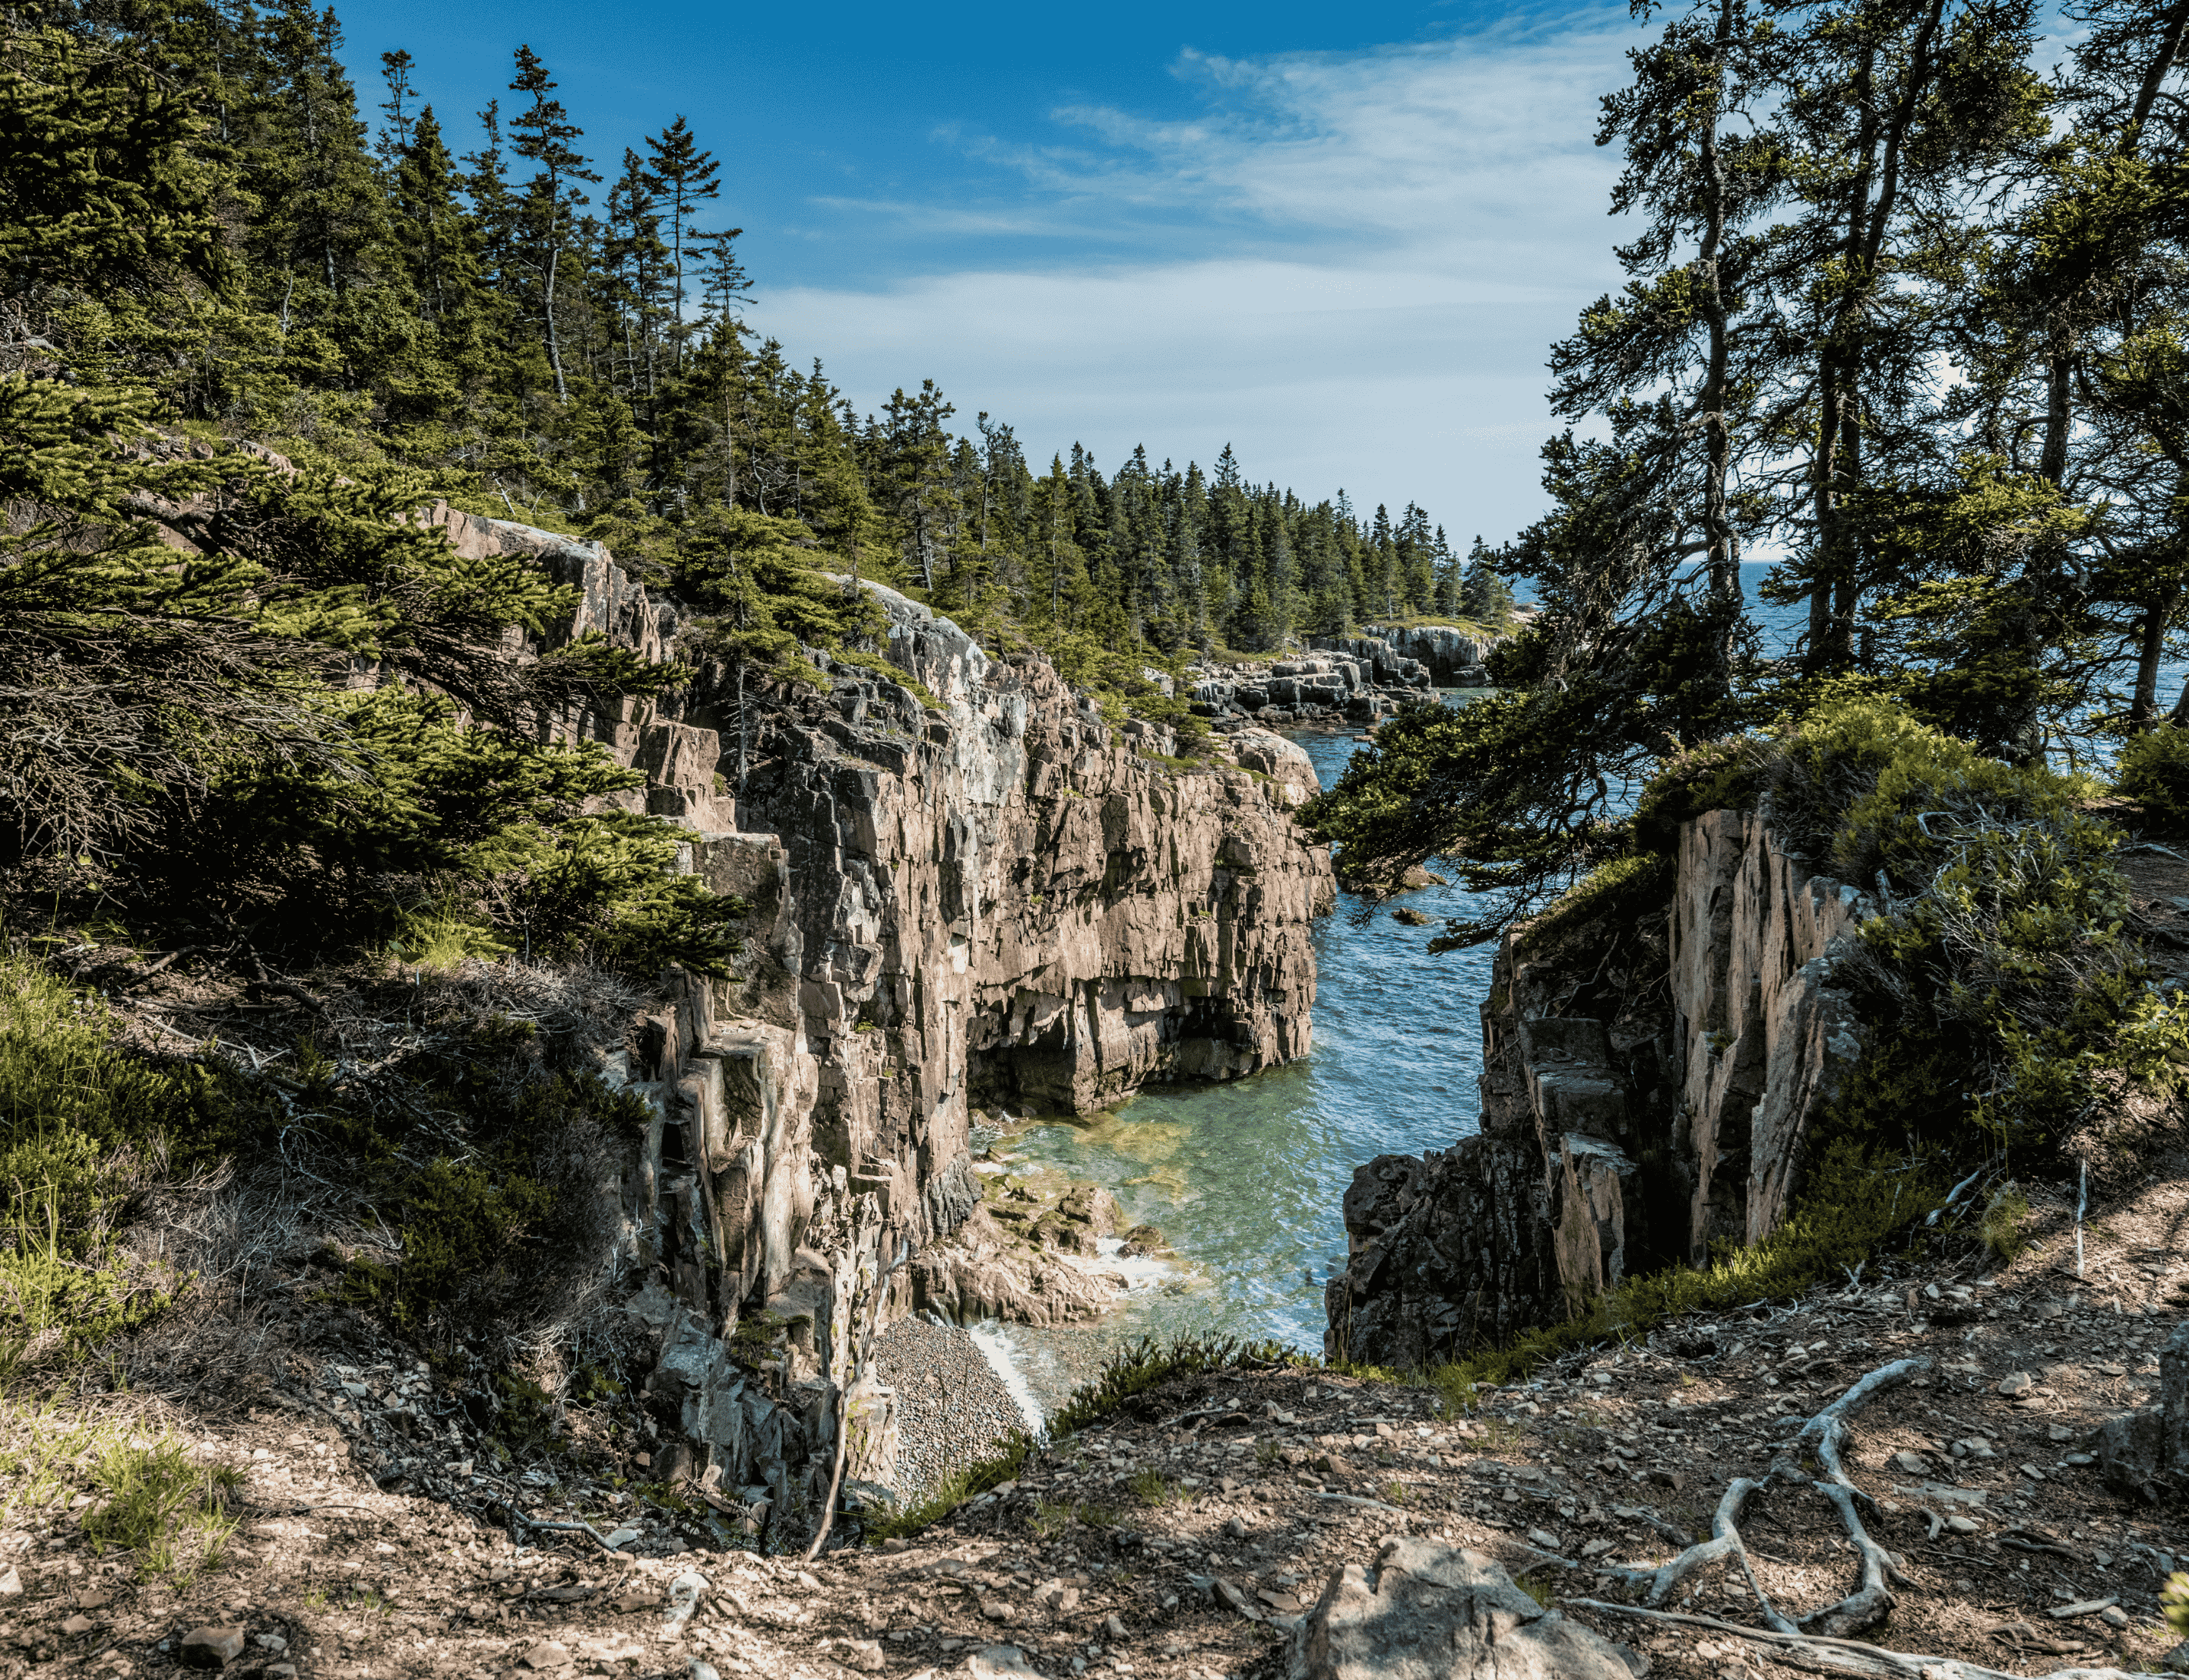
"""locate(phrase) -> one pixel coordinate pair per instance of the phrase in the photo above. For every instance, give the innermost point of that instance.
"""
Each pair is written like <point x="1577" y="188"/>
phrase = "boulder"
<point x="212" y="1647"/>
<point x="1446" y="1251"/>
<point x="1284" y="762"/>
<point x="2146" y="1452"/>
<point x="1429" y="1611"/>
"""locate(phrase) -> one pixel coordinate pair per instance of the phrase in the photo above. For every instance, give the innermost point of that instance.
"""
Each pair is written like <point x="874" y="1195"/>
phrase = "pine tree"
<point x="687" y="177"/>
<point x="543" y="134"/>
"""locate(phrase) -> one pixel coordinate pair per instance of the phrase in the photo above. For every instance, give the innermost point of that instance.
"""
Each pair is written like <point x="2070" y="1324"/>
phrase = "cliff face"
<point x="1646" y="1089"/>
<point x="995" y="898"/>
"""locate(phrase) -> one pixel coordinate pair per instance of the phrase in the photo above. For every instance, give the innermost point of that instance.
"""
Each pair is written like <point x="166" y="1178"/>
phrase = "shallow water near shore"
<point x="1246" y="1179"/>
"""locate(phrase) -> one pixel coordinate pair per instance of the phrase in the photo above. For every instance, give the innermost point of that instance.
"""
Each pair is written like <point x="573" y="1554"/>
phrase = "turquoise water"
<point x="1245" y="1179"/>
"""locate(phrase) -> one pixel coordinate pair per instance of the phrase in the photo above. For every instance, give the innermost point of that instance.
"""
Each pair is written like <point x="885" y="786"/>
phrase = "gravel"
<point x="951" y="1408"/>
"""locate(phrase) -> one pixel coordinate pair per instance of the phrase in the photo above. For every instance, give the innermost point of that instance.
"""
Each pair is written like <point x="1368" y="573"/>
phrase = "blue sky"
<point x="1340" y="238"/>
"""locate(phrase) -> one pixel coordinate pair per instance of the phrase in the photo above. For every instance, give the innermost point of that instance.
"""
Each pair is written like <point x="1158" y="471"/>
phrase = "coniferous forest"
<point x="550" y="336"/>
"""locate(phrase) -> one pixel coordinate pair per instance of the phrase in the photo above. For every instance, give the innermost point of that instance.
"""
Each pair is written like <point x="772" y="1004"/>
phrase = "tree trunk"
<point x="554" y="341"/>
<point x="2169" y="47"/>
<point x="743" y="734"/>
<point x="1723" y="559"/>
<point x="2150" y="649"/>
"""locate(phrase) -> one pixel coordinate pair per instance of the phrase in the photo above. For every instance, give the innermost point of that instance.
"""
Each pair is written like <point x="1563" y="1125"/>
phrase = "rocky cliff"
<point x="974" y="890"/>
<point x="1649" y="1079"/>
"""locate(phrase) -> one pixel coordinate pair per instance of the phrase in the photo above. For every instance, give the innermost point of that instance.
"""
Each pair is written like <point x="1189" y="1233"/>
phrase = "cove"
<point x="1246" y="1179"/>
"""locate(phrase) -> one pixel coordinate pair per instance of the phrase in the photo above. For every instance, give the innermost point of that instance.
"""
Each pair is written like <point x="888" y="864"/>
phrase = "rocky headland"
<point x="1340" y="680"/>
<point x="963" y="886"/>
<point x="1648" y="1081"/>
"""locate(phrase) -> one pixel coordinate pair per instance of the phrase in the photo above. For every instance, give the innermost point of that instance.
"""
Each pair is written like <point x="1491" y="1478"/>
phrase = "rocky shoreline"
<point x="1342" y="678"/>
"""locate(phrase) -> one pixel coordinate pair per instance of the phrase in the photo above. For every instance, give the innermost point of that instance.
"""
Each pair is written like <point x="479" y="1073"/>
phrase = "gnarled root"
<point x="1823" y="1436"/>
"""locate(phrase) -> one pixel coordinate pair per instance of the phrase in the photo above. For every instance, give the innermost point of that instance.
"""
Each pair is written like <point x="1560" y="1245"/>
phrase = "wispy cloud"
<point x="1349" y="266"/>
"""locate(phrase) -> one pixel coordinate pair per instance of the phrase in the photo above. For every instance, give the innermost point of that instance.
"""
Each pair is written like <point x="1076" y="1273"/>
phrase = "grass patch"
<point x="2004" y="1227"/>
<point x="1396" y="1493"/>
<point x="1155" y="1489"/>
<point x="1002" y="1466"/>
<point x="1131" y="1372"/>
<point x="149" y="1497"/>
<point x="1854" y="1203"/>
<point x="84" y="1125"/>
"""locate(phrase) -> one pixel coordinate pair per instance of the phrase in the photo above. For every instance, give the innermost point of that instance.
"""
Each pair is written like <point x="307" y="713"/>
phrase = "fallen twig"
<point x="1850" y="1653"/>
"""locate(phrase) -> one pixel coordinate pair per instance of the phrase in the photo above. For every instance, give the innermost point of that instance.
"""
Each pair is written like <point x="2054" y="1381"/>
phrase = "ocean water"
<point x="1245" y="1179"/>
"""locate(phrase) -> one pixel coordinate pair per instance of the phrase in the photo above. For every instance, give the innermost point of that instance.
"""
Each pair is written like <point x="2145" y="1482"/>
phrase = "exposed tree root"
<point x="1853" y="1655"/>
<point x="1822" y="1437"/>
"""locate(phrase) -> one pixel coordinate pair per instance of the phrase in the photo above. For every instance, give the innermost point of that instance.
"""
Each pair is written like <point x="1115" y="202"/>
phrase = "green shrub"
<point x="2153" y="769"/>
<point x="2173" y="1603"/>
<point x="1624" y="890"/>
<point x="456" y="839"/>
<point x="481" y="1238"/>
<point x="83" y="1125"/>
<point x="1722" y="775"/>
<point x="1998" y="963"/>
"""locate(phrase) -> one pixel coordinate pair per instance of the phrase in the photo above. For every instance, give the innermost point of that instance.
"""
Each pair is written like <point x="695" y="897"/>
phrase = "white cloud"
<point x="1351" y="267"/>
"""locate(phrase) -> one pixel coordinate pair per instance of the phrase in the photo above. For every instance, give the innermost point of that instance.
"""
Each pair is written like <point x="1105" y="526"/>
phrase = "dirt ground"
<point x="1181" y="1540"/>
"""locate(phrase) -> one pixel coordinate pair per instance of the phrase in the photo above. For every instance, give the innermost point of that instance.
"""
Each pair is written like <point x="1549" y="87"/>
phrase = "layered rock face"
<point x="1452" y="658"/>
<point x="1316" y="688"/>
<point x="1617" y="1141"/>
<point x="995" y="896"/>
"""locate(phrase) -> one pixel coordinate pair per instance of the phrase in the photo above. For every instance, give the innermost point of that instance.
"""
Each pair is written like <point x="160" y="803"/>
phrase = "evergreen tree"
<point x="687" y="177"/>
<point x="543" y="134"/>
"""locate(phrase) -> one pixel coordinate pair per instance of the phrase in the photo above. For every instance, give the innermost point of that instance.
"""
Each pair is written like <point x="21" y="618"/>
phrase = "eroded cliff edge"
<point x="1651" y="1063"/>
<point x="974" y="889"/>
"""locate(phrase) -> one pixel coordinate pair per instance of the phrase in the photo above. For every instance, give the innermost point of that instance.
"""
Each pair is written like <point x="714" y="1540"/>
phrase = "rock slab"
<point x="2146" y="1452"/>
<point x="211" y="1647"/>
<point x="1429" y="1611"/>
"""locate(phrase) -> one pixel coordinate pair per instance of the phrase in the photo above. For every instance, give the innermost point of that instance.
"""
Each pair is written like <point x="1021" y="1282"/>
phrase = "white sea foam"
<point x="996" y="1348"/>
<point x="1139" y="1271"/>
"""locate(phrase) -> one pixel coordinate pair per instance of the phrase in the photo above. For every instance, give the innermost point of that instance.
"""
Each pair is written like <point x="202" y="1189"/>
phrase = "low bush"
<point x="484" y="1233"/>
<point x="2154" y="770"/>
<point x="1997" y="959"/>
<point x="1622" y="890"/>
<point x="84" y="1127"/>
